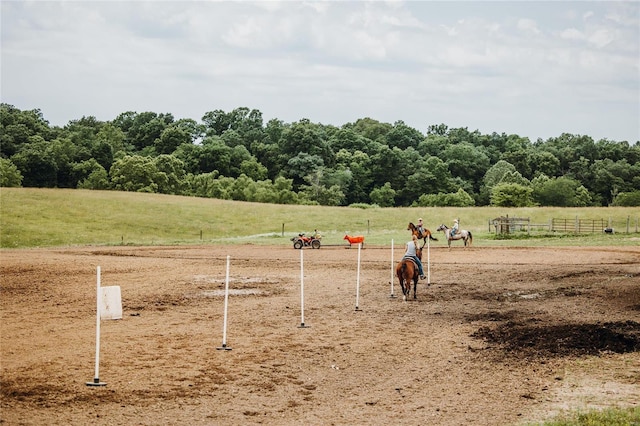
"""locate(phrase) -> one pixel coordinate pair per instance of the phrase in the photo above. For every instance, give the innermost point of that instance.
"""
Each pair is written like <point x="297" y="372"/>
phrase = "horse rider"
<point x="420" y="226"/>
<point x="412" y="246"/>
<point x="454" y="229"/>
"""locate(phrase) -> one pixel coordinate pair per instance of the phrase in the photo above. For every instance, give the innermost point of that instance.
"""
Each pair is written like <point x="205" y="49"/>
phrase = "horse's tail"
<point x="432" y="238"/>
<point x="470" y="238"/>
<point x="402" y="272"/>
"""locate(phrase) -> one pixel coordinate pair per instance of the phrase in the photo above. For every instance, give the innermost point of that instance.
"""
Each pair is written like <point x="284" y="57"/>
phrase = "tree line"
<point x="236" y="155"/>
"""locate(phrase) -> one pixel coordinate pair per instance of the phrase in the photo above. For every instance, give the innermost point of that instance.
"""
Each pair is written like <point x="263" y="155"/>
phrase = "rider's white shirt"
<point x="411" y="249"/>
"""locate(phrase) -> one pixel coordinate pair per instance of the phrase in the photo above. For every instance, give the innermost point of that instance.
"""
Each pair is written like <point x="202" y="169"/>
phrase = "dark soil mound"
<point x="561" y="340"/>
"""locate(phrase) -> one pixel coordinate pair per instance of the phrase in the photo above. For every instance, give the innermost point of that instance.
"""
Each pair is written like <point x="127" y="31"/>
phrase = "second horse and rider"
<point x="419" y="232"/>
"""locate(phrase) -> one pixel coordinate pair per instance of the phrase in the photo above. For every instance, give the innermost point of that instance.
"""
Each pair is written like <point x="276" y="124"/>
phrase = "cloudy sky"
<point x="532" y="68"/>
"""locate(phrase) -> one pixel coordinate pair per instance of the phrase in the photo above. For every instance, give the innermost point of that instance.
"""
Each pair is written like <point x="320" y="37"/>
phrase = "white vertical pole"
<point x="392" y="278"/>
<point x="358" y="279"/>
<point x="302" y="291"/>
<point x="428" y="262"/>
<point x="96" y="376"/>
<point x="226" y="303"/>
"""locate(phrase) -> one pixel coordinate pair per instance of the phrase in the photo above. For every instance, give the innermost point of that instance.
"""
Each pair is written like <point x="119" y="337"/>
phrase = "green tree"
<point x="501" y="172"/>
<point x="453" y="199"/>
<point x="544" y="162"/>
<point x="611" y="177"/>
<point x="242" y="188"/>
<point x="143" y="129"/>
<point x="222" y="188"/>
<point x="268" y="154"/>
<point x="386" y="164"/>
<point x="320" y="194"/>
<point x="383" y="196"/>
<point x="253" y="169"/>
<point x="582" y="197"/>
<point x="134" y="173"/>
<point x="497" y="173"/>
<point x="302" y="165"/>
<point x="36" y="165"/>
<point x="171" y="174"/>
<point x="239" y="155"/>
<point x="614" y="151"/>
<point x="467" y="162"/>
<point x="437" y="129"/>
<point x="249" y="125"/>
<point x="568" y="148"/>
<point x="215" y="155"/>
<point x="170" y="139"/>
<point x="10" y="176"/>
<point x="305" y="137"/>
<point x="65" y="153"/>
<point x="17" y="127"/>
<point x="273" y="131"/>
<point x="511" y="195"/>
<point x="325" y="187"/>
<point x="349" y="140"/>
<point x="112" y="136"/>
<point x="370" y="129"/>
<point x="627" y="199"/>
<point x="90" y="175"/>
<point x="358" y="164"/>
<point x="200" y="185"/>
<point x="434" y="145"/>
<point x="338" y="178"/>
<point x="560" y="192"/>
<point x="403" y="136"/>
<point x="216" y="122"/>
<point x="284" y="191"/>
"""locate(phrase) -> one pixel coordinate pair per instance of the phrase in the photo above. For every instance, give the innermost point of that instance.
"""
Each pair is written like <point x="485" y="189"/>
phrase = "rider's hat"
<point x="455" y="220"/>
<point x="420" y="219"/>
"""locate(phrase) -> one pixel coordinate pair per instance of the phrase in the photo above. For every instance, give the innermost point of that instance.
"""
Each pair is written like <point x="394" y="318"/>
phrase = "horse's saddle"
<point x="411" y="259"/>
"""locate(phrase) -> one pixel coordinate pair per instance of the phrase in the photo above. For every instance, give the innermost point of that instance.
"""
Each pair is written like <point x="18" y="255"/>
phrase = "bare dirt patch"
<point x="502" y="336"/>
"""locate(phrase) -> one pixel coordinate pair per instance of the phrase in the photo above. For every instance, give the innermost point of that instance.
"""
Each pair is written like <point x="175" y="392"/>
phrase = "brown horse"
<point x="406" y="271"/>
<point x="421" y="236"/>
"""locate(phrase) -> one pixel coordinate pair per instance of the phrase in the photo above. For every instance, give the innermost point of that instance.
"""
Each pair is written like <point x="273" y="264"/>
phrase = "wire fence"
<point x="508" y="225"/>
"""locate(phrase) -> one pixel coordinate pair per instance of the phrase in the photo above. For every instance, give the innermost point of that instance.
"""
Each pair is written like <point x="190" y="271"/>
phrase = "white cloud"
<point x="528" y="25"/>
<point x="572" y="34"/>
<point x="517" y="67"/>
<point x="601" y="38"/>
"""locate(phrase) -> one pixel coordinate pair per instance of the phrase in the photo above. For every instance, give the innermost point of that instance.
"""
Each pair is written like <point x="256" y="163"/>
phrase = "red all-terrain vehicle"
<point x="303" y="241"/>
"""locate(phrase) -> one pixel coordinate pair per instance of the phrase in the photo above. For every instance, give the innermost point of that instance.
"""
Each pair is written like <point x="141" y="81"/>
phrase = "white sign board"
<point x="111" y="306"/>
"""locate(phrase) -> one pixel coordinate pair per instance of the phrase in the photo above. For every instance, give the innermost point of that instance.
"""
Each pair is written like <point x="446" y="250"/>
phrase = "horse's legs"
<point x="405" y="290"/>
<point x="403" y="285"/>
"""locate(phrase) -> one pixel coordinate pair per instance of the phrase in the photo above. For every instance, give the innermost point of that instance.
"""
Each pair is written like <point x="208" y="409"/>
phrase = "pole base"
<point x="392" y="296"/>
<point x="224" y="348"/>
<point x="303" y="326"/>
<point x="96" y="382"/>
<point x="358" y="309"/>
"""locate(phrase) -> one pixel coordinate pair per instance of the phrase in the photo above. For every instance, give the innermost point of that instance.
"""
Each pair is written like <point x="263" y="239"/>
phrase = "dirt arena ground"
<point x="502" y="336"/>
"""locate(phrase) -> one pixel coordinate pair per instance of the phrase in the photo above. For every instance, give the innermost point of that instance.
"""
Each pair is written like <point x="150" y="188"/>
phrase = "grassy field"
<point x="609" y="417"/>
<point x="35" y="217"/>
